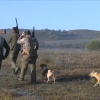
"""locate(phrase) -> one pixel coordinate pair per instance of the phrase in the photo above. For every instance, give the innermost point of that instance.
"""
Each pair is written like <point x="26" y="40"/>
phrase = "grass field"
<point x="72" y="69"/>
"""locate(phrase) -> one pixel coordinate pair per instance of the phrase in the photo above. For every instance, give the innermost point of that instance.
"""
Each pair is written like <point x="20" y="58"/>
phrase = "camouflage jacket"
<point x="14" y="46"/>
<point x="23" y="40"/>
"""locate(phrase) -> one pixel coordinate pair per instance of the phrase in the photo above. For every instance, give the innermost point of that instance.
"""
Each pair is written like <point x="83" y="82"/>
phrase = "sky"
<point x="50" y="14"/>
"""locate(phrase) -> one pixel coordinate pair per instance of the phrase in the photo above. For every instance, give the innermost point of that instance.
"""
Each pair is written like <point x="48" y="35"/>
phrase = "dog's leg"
<point x="54" y="79"/>
<point x="47" y="80"/>
<point x="96" y="83"/>
<point x="42" y="79"/>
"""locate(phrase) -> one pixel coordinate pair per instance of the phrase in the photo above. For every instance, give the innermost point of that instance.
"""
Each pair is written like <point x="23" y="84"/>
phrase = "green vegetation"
<point x="93" y="45"/>
<point x="62" y="38"/>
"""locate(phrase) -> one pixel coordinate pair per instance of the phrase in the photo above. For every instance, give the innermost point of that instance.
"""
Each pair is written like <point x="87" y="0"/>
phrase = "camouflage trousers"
<point x="13" y="58"/>
<point x="31" y="61"/>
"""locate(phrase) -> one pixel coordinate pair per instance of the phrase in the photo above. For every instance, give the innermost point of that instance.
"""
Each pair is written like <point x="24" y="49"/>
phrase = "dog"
<point x="96" y="75"/>
<point x="47" y="73"/>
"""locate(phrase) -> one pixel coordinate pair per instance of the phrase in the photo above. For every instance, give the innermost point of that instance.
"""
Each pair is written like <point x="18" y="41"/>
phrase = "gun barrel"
<point x="17" y="25"/>
<point x="16" y="21"/>
<point x="33" y="32"/>
<point x="2" y="31"/>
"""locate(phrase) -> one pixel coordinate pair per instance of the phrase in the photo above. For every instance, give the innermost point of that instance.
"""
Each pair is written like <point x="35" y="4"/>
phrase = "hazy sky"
<point x="51" y="14"/>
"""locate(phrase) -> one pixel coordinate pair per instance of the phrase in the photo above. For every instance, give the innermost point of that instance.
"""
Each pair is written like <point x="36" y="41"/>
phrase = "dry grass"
<point x="72" y="78"/>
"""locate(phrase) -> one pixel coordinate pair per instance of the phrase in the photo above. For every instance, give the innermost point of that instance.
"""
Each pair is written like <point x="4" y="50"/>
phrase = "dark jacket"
<point x="3" y="44"/>
<point x="14" y="46"/>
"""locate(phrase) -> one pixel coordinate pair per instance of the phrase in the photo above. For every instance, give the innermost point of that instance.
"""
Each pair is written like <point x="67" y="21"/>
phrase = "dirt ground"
<point x="72" y="69"/>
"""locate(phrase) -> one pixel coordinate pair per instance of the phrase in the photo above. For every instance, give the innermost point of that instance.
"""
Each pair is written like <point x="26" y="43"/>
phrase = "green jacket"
<point x="14" y="46"/>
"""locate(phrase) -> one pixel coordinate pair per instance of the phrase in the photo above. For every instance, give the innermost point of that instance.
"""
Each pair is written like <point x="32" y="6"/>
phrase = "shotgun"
<point x="33" y="32"/>
<point x="17" y="25"/>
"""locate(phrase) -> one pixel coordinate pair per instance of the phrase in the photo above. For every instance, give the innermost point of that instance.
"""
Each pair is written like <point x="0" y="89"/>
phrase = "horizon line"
<point x="51" y="29"/>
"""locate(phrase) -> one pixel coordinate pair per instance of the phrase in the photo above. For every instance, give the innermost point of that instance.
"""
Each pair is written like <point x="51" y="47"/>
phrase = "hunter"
<point x="29" y="56"/>
<point x="3" y="44"/>
<point x="14" y="49"/>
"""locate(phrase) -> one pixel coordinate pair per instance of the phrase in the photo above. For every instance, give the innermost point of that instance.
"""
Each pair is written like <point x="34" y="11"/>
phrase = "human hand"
<point x="23" y="34"/>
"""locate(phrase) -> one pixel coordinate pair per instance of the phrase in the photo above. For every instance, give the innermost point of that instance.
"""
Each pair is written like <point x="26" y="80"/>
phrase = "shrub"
<point x="93" y="45"/>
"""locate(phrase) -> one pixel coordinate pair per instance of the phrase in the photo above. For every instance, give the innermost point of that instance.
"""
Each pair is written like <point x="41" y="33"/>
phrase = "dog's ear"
<point x="92" y="72"/>
<point x="41" y="65"/>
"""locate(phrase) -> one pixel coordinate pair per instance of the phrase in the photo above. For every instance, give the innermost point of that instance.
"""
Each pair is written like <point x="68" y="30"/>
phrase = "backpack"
<point x="29" y="46"/>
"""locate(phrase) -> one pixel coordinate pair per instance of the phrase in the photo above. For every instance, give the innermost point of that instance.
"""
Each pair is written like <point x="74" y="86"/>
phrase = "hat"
<point x="14" y="29"/>
<point x="27" y="32"/>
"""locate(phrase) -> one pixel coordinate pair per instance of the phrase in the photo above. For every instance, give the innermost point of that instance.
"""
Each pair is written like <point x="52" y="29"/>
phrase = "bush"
<point x="93" y="45"/>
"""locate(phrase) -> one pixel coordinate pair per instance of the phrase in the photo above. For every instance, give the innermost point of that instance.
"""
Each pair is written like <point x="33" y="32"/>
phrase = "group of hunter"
<point x="15" y="45"/>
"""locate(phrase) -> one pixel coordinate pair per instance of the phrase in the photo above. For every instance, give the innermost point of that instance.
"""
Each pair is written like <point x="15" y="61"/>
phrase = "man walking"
<point x="28" y="58"/>
<point x="3" y="44"/>
<point x="14" y="49"/>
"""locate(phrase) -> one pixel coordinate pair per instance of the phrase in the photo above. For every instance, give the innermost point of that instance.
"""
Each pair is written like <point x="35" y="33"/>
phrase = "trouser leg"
<point x="13" y="57"/>
<point x="24" y="68"/>
<point x="33" y="69"/>
<point x="0" y="63"/>
<point x="33" y="73"/>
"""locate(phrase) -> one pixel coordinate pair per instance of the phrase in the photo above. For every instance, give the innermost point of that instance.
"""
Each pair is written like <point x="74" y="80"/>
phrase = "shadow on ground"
<point x="71" y="78"/>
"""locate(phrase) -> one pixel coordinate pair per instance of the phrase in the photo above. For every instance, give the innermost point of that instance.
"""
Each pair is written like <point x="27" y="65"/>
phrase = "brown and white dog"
<point x="47" y="73"/>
